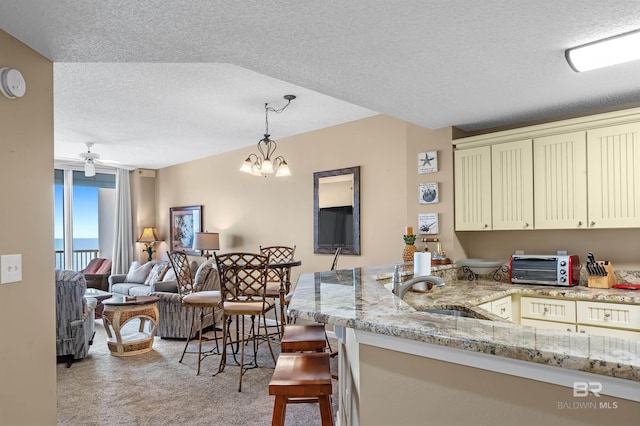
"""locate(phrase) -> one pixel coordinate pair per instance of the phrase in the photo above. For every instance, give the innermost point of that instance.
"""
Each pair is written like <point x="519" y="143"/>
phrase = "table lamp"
<point x="205" y="241"/>
<point x="149" y="237"/>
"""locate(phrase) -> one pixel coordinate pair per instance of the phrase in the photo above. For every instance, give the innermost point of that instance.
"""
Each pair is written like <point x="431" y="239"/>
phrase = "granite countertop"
<point x="357" y="298"/>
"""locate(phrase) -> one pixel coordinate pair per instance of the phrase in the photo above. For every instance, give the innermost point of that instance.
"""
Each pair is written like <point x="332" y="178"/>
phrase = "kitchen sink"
<point x="454" y="312"/>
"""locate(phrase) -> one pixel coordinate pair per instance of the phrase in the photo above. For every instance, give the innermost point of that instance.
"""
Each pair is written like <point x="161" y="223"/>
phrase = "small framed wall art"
<point x="428" y="162"/>
<point x="428" y="223"/>
<point x="185" y="222"/>
<point x="428" y="193"/>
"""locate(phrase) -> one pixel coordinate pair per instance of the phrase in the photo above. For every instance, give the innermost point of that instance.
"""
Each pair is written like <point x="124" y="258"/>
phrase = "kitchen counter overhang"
<point x="354" y="298"/>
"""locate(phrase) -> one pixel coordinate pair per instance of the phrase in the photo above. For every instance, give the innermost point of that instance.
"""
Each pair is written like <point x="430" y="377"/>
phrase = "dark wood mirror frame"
<point x="353" y="249"/>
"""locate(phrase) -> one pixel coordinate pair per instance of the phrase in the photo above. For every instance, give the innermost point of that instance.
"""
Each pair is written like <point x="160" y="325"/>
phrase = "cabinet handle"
<point x="545" y="311"/>
<point x="486" y="225"/>
<point x="592" y="223"/>
<point x="607" y="315"/>
<point x="580" y="223"/>
<point x="526" y="225"/>
<point x="581" y="331"/>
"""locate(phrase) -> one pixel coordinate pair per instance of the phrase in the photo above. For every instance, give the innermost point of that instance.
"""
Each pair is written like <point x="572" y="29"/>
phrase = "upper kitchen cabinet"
<point x="582" y="173"/>
<point x="613" y="162"/>
<point x="473" y="189"/>
<point x="560" y="188"/>
<point x="512" y="185"/>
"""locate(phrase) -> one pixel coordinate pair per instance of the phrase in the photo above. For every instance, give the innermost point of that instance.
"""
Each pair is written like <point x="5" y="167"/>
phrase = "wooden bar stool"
<point x="303" y="338"/>
<point x="302" y="378"/>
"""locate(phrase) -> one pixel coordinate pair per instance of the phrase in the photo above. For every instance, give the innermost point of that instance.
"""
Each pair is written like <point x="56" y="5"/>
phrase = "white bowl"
<point x="482" y="266"/>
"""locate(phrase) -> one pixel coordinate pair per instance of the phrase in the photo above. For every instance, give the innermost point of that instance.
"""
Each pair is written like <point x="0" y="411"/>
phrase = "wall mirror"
<point x="336" y="211"/>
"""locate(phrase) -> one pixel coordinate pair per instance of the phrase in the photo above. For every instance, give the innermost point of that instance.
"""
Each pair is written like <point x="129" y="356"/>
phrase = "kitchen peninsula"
<point x="399" y="365"/>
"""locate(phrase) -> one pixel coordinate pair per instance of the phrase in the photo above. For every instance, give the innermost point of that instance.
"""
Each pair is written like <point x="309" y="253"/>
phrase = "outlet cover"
<point x="10" y="268"/>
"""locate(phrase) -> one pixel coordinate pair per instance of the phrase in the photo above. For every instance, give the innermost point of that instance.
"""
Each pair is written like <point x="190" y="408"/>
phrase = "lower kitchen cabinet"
<point x="500" y="307"/>
<point x="599" y="318"/>
<point x="610" y="332"/>
<point x="548" y="325"/>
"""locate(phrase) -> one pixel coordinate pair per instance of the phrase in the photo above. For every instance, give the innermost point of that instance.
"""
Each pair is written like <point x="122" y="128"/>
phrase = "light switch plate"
<point x="10" y="268"/>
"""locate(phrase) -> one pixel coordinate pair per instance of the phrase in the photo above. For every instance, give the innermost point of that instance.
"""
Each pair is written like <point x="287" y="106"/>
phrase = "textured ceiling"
<point x="146" y="78"/>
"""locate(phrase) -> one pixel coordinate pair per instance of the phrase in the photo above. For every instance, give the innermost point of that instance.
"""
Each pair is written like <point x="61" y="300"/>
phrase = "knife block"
<point x="598" y="281"/>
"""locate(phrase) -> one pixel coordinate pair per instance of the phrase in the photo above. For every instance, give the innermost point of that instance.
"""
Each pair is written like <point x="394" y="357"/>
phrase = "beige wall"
<point x="402" y="389"/>
<point x="250" y="211"/>
<point x="27" y="308"/>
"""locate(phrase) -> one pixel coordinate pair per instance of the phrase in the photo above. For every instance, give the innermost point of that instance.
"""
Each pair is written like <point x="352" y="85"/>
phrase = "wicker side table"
<point x="118" y="311"/>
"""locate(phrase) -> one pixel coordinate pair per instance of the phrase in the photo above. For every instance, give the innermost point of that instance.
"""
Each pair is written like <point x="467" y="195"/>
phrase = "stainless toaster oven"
<point x="560" y="270"/>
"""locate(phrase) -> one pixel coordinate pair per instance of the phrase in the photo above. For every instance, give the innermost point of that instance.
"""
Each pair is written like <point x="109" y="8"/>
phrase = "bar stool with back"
<point x="243" y="281"/>
<point x="279" y="280"/>
<point x="192" y="298"/>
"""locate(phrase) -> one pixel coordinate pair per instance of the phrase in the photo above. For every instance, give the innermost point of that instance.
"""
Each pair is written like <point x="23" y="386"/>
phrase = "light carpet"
<point x="155" y="389"/>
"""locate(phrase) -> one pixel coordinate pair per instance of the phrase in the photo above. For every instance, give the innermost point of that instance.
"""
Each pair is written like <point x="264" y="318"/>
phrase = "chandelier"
<point x="265" y="163"/>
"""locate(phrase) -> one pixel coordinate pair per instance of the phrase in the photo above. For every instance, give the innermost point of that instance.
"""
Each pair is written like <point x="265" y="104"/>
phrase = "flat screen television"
<point x="335" y="226"/>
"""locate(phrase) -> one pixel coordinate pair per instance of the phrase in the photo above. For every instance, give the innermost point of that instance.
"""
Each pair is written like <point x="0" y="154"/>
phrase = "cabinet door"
<point x="548" y="325"/>
<point x="512" y="185"/>
<point x="473" y="189"/>
<point x="548" y="309"/>
<point x="502" y="307"/>
<point x="609" y="314"/>
<point x="610" y="332"/>
<point x="560" y="186"/>
<point x="613" y="156"/>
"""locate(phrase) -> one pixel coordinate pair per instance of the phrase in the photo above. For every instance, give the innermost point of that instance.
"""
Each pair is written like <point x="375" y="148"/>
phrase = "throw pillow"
<point x="202" y="274"/>
<point x="138" y="273"/>
<point x="170" y="275"/>
<point x="156" y="274"/>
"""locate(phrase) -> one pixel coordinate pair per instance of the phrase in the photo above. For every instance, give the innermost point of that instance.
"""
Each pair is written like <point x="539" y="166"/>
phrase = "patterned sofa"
<point x="174" y="319"/>
<point x="75" y="325"/>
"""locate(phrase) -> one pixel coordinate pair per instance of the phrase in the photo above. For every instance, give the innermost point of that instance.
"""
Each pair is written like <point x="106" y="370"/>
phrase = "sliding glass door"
<point x="83" y="217"/>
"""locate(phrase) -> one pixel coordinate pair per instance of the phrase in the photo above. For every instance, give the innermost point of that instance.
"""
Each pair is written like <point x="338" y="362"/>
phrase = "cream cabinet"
<point x="560" y="188"/>
<point x="599" y="318"/>
<point x="548" y="325"/>
<point x="512" y="185"/>
<point x="571" y="174"/>
<point x="473" y="189"/>
<point x="613" y="163"/>
<point x="500" y="307"/>
<point x="547" y="309"/>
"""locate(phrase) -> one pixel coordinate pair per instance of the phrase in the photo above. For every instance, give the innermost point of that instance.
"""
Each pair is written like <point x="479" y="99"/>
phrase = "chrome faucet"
<point x="400" y="288"/>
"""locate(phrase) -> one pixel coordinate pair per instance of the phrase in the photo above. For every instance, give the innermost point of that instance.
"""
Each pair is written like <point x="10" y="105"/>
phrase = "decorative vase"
<point x="409" y="248"/>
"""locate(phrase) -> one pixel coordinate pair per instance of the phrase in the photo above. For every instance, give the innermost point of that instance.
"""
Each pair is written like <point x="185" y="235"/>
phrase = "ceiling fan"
<point x="89" y="160"/>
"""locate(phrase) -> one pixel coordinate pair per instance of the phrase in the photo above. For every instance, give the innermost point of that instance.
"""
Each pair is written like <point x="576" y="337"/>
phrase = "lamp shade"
<point x="206" y="241"/>
<point x="149" y="235"/>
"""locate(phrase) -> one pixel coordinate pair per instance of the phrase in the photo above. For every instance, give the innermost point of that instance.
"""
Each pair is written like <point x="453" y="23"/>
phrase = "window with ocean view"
<point x="84" y="231"/>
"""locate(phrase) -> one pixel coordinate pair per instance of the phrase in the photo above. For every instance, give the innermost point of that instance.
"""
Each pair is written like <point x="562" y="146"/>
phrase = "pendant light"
<point x="265" y="163"/>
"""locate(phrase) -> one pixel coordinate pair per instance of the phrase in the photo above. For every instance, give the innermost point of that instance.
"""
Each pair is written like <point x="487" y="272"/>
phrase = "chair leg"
<point x="266" y="333"/>
<point x="200" y="340"/>
<point x="279" y="411"/>
<point x="325" y="410"/>
<point x="186" y="345"/>
<point x="241" y="360"/>
<point x="226" y="320"/>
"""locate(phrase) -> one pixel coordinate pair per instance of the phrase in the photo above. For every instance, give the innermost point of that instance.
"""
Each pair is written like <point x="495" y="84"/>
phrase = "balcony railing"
<point x="81" y="258"/>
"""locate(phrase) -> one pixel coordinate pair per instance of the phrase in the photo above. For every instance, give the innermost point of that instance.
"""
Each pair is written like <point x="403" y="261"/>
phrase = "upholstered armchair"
<point x="75" y="324"/>
<point x="97" y="273"/>
<point x="175" y="319"/>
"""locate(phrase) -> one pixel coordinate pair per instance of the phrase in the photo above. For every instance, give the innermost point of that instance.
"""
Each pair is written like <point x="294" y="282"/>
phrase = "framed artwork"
<point x="428" y="193"/>
<point x="428" y="162"/>
<point x="185" y="222"/>
<point x="428" y="223"/>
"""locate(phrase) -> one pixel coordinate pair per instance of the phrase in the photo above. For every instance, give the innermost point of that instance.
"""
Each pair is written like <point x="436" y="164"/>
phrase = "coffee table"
<point x="118" y="311"/>
<point x="100" y="296"/>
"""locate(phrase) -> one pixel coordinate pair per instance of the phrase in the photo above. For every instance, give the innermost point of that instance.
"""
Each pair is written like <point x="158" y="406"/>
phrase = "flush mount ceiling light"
<point x="89" y="161"/>
<point x="266" y="164"/>
<point x="603" y="53"/>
